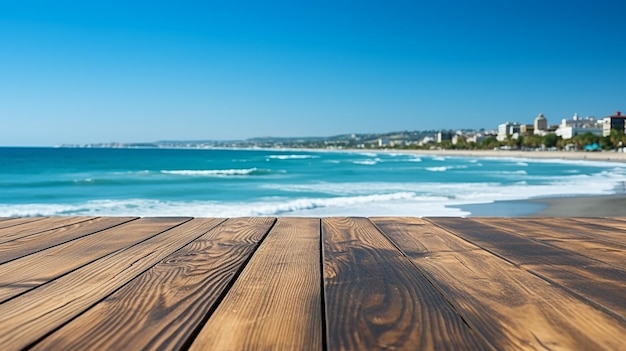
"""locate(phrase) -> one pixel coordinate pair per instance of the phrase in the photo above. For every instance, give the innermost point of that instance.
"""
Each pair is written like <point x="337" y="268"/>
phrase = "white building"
<point x="570" y="128"/>
<point x="476" y="138"/>
<point x="570" y="132"/>
<point x="506" y="129"/>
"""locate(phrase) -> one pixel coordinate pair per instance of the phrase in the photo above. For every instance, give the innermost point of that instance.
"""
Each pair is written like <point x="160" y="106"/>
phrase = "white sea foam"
<point x="589" y="163"/>
<point x="438" y="169"/>
<point x="367" y="162"/>
<point x="464" y="192"/>
<point x="443" y="168"/>
<point x="292" y="157"/>
<point x="415" y="193"/>
<point x="349" y="199"/>
<point x="338" y="206"/>
<point x="213" y="172"/>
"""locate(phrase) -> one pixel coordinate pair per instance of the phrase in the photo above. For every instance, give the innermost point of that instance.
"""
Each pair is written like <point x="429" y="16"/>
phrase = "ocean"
<point x="233" y="183"/>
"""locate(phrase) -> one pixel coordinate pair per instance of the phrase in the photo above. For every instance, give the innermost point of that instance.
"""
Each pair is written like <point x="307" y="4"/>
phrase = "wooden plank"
<point x="29" y="272"/>
<point x="164" y="306"/>
<point x="510" y="307"/>
<point x="612" y="230"/>
<point x="34" y="227"/>
<point x="28" y="317"/>
<point x="276" y="302"/>
<point x="558" y="233"/>
<point x="621" y="220"/>
<point x="601" y="284"/>
<point x="375" y="298"/>
<point x="27" y="245"/>
<point x="614" y="233"/>
<point x="11" y="222"/>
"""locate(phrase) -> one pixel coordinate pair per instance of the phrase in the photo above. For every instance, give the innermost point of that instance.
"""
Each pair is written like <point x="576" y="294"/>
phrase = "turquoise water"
<point x="173" y="182"/>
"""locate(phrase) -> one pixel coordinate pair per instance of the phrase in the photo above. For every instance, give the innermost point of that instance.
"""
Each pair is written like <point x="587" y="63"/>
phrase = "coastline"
<point x="583" y="206"/>
<point x="607" y="156"/>
<point x="613" y="205"/>
<point x="548" y="203"/>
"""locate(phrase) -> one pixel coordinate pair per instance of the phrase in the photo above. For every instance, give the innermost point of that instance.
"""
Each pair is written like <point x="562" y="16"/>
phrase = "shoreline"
<point x="612" y="205"/>
<point x="607" y="156"/>
<point x="580" y="205"/>
<point x="610" y="156"/>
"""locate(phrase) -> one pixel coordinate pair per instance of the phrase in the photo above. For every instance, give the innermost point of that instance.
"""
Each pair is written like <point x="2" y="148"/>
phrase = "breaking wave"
<point x="292" y="157"/>
<point x="218" y="172"/>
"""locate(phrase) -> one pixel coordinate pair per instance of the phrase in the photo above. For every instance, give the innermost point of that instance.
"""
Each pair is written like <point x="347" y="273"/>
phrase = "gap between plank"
<point x="439" y="290"/>
<point x="194" y="334"/>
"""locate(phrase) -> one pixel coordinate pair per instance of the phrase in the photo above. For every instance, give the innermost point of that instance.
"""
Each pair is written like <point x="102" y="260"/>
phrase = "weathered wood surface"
<point x="164" y="305"/>
<point x="35" y="226"/>
<point x="376" y="298"/>
<point x="11" y="222"/>
<point x="558" y="266"/>
<point x="586" y="240"/>
<point x="481" y="286"/>
<point x="29" y="272"/>
<point x="280" y="288"/>
<point x="88" y="283"/>
<point x="26" y="245"/>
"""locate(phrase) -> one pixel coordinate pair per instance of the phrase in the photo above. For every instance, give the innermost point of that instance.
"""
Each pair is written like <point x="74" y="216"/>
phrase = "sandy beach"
<point x="583" y="206"/>
<point x="571" y="206"/>
<point x="575" y="206"/>
<point x="563" y="155"/>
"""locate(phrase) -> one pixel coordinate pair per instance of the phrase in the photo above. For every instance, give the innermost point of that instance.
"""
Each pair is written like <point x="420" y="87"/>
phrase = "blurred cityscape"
<point x="570" y="134"/>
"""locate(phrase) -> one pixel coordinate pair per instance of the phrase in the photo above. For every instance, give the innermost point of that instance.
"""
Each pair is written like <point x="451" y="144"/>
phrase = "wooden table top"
<point x="113" y="283"/>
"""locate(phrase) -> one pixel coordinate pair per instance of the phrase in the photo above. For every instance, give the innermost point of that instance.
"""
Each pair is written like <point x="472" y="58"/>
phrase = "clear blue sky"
<point x="99" y="71"/>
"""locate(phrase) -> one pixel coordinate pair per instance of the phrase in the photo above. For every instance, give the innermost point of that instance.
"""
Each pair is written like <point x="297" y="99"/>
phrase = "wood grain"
<point x="557" y="232"/>
<point x="26" y="245"/>
<point x="33" y="227"/>
<point x="375" y="298"/>
<point x="600" y="283"/>
<point x="276" y="302"/>
<point x="161" y="308"/>
<point x="11" y="222"/>
<point x="404" y="283"/>
<point x="598" y="229"/>
<point x="28" y="317"/>
<point x="510" y="307"/>
<point x="612" y="230"/>
<point x="29" y="272"/>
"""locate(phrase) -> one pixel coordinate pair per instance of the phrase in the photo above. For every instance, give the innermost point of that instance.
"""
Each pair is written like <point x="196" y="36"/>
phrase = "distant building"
<point x="443" y="136"/>
<point x="616" y="121"/>
<point x="508" y="129"/>
<point x="570" y="132"/>
<point x="426" y="140"/>
<point x="541" y="124"/>
<point x="575" y="121"/>
<point x="527" y="129"/>
<point x="476" y="138"/>
<point x="570" y="128"/>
